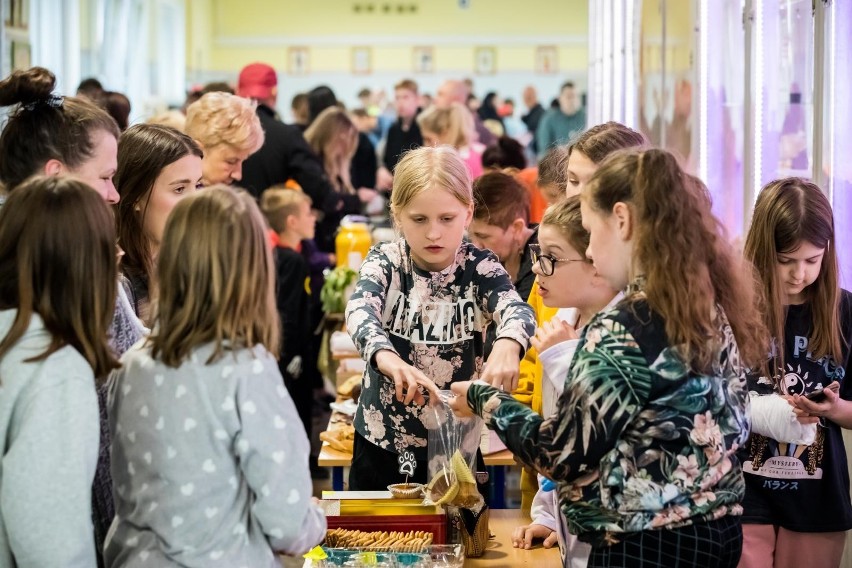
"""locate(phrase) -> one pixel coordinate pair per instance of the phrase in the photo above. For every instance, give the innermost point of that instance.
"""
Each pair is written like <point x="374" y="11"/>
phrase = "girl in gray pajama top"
<point x="209" y="458"/>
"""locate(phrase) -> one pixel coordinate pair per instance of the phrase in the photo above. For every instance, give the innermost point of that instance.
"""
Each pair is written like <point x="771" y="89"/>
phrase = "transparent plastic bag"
<point x="453" y="443"/>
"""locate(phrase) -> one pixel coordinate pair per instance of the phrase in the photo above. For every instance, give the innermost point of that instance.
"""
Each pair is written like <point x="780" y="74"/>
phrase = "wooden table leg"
<point x="498" y="486"/>
<point x="337" y="478"/>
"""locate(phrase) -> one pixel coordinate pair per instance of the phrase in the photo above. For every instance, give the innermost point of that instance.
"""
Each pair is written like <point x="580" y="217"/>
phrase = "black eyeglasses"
<point x="547" y="262"/>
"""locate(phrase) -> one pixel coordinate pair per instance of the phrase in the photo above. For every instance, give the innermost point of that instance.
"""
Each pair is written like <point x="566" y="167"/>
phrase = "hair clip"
<point x="54" y="101"/>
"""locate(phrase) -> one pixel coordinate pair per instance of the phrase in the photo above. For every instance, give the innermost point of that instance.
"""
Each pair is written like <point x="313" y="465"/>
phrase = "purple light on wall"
<point x="725" y="166"/>
<point x="724" y="95"/>
<point x="841" y="121"/>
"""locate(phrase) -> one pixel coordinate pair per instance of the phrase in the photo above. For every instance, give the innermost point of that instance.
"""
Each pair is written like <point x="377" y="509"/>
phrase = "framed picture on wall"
<point x="298" y="60"/>
<point x="485" y="60"/>
<point x="362" y="60"/>
<point x="546" y="60"/>
<point x="21" y="55"/>
<point x="424" y="59"/>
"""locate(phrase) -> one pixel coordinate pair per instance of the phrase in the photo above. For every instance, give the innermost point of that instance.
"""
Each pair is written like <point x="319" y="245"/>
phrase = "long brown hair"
<point x="789" y="211"/>
<point x="216" y="278"/>
<point x="69" y="282"/>
<point x="683" y="251"/>
<point x="45" y="126"/>
<point x="322" y="134"/>
<point x="144" y="150"/>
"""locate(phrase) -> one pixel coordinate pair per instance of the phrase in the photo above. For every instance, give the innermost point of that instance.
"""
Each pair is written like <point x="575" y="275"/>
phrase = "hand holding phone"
<point x="820" y="396"/>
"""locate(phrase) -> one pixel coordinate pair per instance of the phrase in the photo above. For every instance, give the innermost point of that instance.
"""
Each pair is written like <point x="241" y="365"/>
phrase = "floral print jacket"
<point x="432" y="320"/>
<point x="638" y="441"/>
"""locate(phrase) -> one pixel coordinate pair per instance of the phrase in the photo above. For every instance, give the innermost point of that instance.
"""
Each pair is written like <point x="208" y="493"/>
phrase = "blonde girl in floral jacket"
<point x="419" y="312"/>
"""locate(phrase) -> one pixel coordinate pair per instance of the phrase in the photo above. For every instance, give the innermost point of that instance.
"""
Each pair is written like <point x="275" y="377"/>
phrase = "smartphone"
<point x="819" y="395"/>
<point x="816" y="396"/>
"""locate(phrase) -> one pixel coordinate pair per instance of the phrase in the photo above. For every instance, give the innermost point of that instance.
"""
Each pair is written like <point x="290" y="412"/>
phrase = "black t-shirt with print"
<point x="802" y="488"/>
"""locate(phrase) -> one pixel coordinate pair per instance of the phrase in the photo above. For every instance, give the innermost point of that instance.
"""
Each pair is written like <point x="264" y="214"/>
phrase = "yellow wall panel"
<point x="392" y="58"/>
<point x="450" y="58"/>
<point x="433" y="17"/>
<point x="224" y="35"/>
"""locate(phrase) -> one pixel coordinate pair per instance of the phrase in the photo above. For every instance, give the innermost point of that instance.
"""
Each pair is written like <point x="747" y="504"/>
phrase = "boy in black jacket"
<point x="292" y="220"/>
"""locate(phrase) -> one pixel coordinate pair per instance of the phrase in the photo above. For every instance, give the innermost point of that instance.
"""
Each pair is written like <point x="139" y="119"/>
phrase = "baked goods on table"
<point x="381" y="541"/>
<point x="350" y="388"/>
<point x="341" y="438"/>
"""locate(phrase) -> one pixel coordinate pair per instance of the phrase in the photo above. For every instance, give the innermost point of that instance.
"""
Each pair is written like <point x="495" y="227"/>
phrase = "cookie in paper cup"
<point x="406" y="490"/>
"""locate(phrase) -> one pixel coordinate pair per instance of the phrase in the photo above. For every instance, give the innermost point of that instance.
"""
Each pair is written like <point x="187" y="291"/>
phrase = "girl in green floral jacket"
<point x="654" y="405"/>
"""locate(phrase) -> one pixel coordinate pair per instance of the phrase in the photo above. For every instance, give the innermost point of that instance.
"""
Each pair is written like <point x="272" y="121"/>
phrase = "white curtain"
<point x="55" y="39"/>
<point x="132" y="46"/>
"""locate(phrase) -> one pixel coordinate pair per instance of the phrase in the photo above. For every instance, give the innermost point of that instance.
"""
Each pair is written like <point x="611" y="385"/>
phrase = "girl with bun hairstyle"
<point x="50" y="134"/>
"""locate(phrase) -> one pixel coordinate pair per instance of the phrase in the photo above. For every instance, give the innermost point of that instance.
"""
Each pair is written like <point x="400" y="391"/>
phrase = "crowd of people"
<point x="675" y="401"/>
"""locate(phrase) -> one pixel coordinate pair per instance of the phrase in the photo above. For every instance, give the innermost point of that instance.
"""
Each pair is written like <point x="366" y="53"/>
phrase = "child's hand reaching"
<point x="459" y="401"/>
<point x="503" y="366"/>
<point x="523" y="536"/>
<point x="552" y="332"/>
<point x="405" y="377"/>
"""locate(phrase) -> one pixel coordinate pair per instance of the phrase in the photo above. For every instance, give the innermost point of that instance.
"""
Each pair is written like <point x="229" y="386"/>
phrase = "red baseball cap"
<point x="257" y="81"/>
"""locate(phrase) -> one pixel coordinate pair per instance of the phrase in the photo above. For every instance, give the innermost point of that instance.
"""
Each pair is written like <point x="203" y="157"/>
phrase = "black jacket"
<point x="364" y="163"/>
<point x="531" y="119"/>
<point x="293" y="303"/>
<point x="284" y="155"/>
<point x="400" y="141"/>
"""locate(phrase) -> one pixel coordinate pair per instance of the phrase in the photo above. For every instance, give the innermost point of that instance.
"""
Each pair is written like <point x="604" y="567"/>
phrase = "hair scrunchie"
<point x="55" y="101"/>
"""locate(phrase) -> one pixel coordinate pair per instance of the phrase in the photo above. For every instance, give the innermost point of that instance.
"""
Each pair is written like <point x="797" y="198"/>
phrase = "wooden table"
<point x="496" y="463"/>
<point x="500" y="552"/>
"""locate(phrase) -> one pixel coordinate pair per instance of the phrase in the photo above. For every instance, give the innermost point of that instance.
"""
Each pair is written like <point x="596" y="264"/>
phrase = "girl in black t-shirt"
<point x="797" y="503"/>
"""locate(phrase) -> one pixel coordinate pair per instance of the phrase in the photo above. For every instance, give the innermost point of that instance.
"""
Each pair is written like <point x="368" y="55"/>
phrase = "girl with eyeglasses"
<point x="559" y="259"/>
<point x="577" y="162"/>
